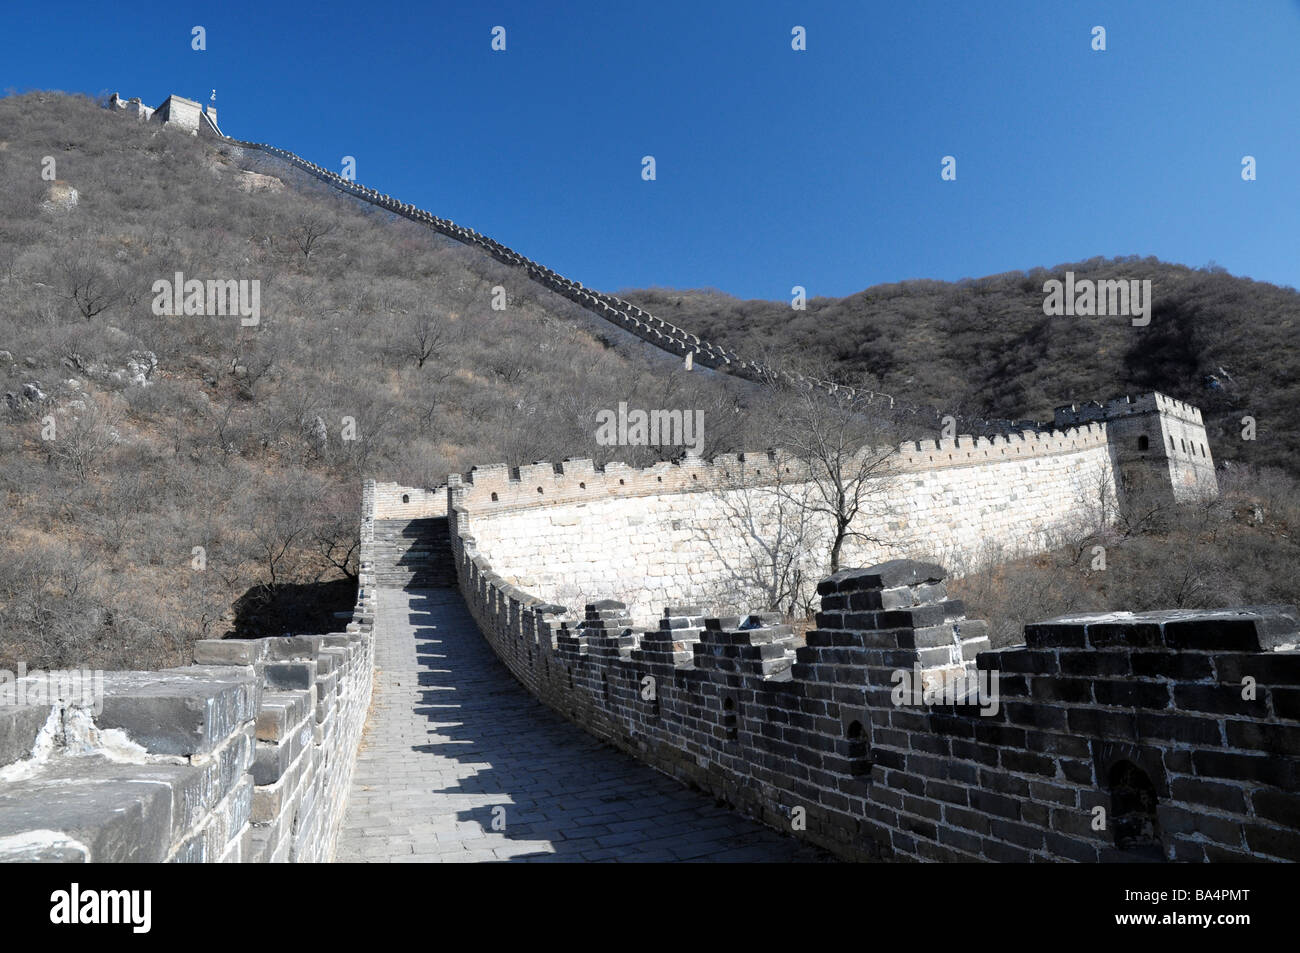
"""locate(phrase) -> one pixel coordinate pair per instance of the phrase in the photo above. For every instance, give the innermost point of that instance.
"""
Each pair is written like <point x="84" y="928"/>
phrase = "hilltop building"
<point x="178" y="111"/>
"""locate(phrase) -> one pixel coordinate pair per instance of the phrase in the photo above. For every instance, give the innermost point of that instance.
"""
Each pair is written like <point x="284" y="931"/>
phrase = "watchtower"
<point x="1158" y="441"/>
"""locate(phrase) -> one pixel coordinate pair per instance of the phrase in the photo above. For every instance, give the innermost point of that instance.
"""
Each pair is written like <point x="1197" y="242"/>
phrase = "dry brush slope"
<point x="180" y="433"/>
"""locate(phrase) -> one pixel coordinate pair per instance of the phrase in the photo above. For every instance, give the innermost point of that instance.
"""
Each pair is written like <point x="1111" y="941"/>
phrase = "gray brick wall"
<point x="1117" y="737"/>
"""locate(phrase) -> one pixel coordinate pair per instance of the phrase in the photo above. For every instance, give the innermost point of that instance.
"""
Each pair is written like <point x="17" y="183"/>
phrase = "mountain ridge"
<point x="985" y="348"/>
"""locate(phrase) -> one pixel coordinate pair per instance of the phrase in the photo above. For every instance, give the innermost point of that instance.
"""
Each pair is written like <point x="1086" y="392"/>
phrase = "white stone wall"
<point x="706" y="540"/>
<point x="181" y="112"/>
<point x="406" y="502"/>
<point x="1191" y="465"/>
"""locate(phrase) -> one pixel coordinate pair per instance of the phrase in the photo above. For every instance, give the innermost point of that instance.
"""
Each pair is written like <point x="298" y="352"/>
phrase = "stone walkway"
<point x="452" y="741"/>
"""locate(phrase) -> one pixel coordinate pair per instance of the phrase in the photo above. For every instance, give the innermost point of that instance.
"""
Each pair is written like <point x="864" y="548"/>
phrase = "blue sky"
<point x="775" y="168"/>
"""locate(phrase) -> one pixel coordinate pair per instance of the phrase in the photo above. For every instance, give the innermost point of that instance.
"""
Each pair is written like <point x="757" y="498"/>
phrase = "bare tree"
<point x="1144" y="508"/>
<point x="81" y="441"/>
<point x="308" y="228"/>
<point x="428" y="338"/>
<point x="9" y="255"/>
<point x="282" y="525"/>
<point x="510" y="359"/>
<point x="1095" y="513"/>
<point x="848" y="441"/>
<point x="334" y="536"/>
<point x="227" y="425"/>
<point x="87" y="282"/>
<point x="253" y="355"/>
<point x="770" y="553"/>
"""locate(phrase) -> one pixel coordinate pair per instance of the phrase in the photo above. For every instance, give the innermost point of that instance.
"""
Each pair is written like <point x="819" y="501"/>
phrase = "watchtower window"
<point x="1133" y="808"/>
<point x="859" y="763"/>
<point x="1143" y="442"/>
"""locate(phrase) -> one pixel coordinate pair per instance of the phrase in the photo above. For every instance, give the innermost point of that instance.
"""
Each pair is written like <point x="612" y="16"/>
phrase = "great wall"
<point x="615" y="595"/>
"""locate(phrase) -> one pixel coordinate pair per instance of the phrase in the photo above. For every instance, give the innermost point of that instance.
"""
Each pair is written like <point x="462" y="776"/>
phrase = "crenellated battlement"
<point x="392" y="501"/>
<point x="1177" y="408"/>
<point x="498" y="487"/>
<point x="702" y="531"/>
<point x="967" y="450"/>
<point x="893" y="733"/>
<point x="1121" y="407"/>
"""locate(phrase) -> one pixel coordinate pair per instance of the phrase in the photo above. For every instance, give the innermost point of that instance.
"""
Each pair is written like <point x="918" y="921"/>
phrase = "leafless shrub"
<point x="427" y="338"/>
<point x="781" y="541"/>
<point x="307" y="228"/>
<point x="847" y="444"/>
<point x="80" y="438"/>
<point x="87" y="281"/>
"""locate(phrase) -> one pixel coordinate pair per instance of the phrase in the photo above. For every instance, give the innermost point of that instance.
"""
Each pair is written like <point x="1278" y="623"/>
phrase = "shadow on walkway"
<point x="459" y="763"/>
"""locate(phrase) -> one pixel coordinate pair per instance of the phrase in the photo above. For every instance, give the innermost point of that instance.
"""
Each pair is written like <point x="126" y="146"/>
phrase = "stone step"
<point x="413" y="554"/>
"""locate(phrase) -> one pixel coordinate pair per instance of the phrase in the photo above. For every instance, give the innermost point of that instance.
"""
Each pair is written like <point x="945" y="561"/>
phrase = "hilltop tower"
<point x="179" y="111"/>
<point x="1158" y="441"/>
<point x="186" y="114"/>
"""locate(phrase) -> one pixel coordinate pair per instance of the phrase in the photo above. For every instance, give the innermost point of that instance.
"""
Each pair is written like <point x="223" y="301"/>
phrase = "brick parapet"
<point x="245" y="756"/>
<point x="499" y="487"/>
<point x="1138" y="715"/>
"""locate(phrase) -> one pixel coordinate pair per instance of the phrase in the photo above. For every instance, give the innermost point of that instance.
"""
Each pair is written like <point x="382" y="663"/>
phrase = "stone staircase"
<point x="413" y="554"/>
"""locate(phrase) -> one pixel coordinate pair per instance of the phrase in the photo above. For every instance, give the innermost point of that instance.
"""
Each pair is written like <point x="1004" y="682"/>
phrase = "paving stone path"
<point x="452" y="740"/>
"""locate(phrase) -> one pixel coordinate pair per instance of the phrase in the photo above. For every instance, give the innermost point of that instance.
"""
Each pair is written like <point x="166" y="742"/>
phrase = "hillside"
<point x="199" y="478"/>
<point x="169" y="477"/>
<point x="984" y="347"/>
